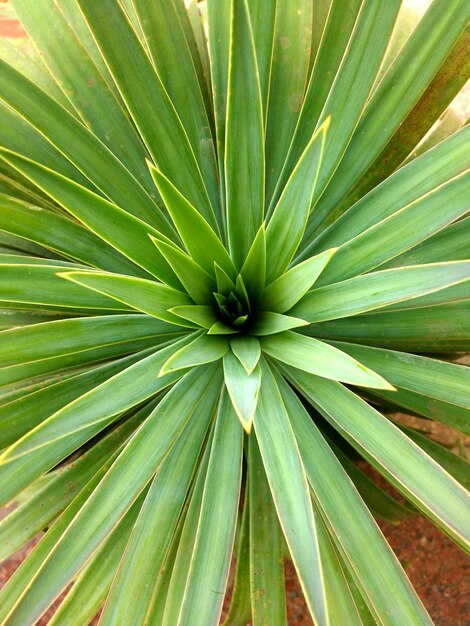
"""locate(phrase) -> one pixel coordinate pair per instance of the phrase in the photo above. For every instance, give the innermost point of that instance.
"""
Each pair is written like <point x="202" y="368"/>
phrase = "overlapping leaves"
<point x="185" y="282"/>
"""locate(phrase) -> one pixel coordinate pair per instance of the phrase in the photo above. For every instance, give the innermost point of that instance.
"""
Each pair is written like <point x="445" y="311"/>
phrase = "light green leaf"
<point x="224" y="283"/>
<point x="341" y="608"/>
<point x="143" y="92"/>
<point x="206" y="249"/>
<point x="118" y="228"/>
<point x="153" y="532"/>
<point x="81" y="82"/>
<point x="115" y="494"/>
<point x="203" y="349"/>
<point x="454" y="464"/>
<point x="244" y="141"/>
<point x="266" y="572"/>
<point x="378" y="289"/>
<point x="144" y="295"/>
<point x="380" y="503"/>
<point x="317" y="357"/>
<point x="403" y="463"/>
<point x="21" y="579"/>
<point x="201" y="314"/>
<point x="170" y="589"/>
<point x="203" y="597"/>
<point x="60" y="234"/>
<point x="286" y="476"/>
<point x="395" y="96"/>
<point x="218" y="35"/>
<point x="369" y="558"/>
<point x="62" y="486"/>
<point x="62" y="337"/>
<point x="197" y="282"/>
<point x="254" y="267"/>
<point x="405" y="186"/>
<point x="289" y="68"/>
<point x="167" y="33"/>
<point x="74" y="424"/>
<point x="41" y="285"/>
<point x="444" y="328"/>
<point x="428" y="112"/>
<point x="240" y="605"/>
<point x="269" y="323"/>
<point x="247" y="349"/>
<point x="450" y="244"/>
<point x="221" y="328"/>
<point x="95" y="579"/>
<point x="353" y="82"/>
<point x="76" y="143"/>
<point x="289" y="288"/>
<point x="432" y="378"/>
<point x="22" y="414"/>
<point x="243" y="389"/>
<point x="289" y="219"/>
<point x="340" y="18"/>
<point x="400" y="231"/>
<point x="412" y="402"/>
<point x="263" y="20"/>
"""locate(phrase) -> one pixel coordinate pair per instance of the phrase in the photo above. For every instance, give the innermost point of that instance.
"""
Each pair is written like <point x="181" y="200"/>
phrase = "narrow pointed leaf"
<point x="240" y="605"/>
<point x="103" y="510"/>
<point x="201" y="314"/>
<point x="244" y="143"/>
<point x="314" y="356"/>
<point x="210" y="561"/>
<point x="443" y="381"/>
<point x="378" y="289"/>
<point x="166" y="34"/>
<point x="120" y="229"/>
<point x="203" y="349"/>
<point x="224" y="283"/>
<point x="289" y="219"/>
<point x="289" y="288"/>
<point x="60" y="234"/>
<point x="404" y="464"/>
<point x="80" y="80"/>
<point x="409" y="183"/>
<point x="254" y="267"/>
<point x="144" y="295"/>
<point x="197" y="282"/>
<point x="397" y="93"/>
<point x="247" y="349"/>
<point x="70" y="427"/>
<point x="164" y="134"/>
<point x="269" y="323"/>
<point x="400" y="231"/>
<point x="439" y="329"/>
<point x="41" y="285"/>
<point x="289" y="68"/>
<point x="221" y="328"/>
<point x="206" y="249"/>
<point x="286" y="476"/>
<point x="268" y="598"/>
<point x="96" y="577"/>
<point x="384" y="586"/>
<point x="75" y="142"/>
<point x="243" y="389"/>
<point x="151" y="537"/>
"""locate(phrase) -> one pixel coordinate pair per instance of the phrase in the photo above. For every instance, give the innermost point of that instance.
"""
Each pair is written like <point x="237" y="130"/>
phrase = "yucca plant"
<point x="223" y="271"/>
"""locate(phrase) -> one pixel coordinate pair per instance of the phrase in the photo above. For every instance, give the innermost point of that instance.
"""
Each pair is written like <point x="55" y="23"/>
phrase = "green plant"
<point x="217" y="287"/>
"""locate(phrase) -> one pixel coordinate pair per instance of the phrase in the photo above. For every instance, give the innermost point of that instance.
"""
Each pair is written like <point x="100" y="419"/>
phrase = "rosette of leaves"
<point x="221" y="275"/>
